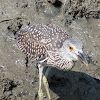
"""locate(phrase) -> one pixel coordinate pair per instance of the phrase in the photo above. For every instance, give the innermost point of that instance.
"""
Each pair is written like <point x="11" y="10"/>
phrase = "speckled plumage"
<point x="49" y="45"/>
<point x="41" y="41"/>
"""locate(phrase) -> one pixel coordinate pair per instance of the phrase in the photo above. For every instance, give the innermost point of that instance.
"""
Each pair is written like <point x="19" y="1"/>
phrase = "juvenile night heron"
<point x="49" y="45"/>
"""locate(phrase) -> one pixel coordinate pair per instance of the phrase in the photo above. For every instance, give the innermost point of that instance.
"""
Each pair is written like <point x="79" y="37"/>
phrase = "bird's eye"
<point x="71" y="48"/>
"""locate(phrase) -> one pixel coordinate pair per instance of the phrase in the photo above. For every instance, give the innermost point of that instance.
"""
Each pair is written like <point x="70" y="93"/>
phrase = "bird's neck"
<point x="64" y="54"/>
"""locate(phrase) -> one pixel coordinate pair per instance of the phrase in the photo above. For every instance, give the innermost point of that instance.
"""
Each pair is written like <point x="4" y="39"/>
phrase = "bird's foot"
<point x="40" y="94"/>
<point x="46" y="86"/>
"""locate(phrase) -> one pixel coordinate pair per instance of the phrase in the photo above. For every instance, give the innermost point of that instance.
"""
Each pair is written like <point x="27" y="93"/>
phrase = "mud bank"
<point x="19" y="78"/>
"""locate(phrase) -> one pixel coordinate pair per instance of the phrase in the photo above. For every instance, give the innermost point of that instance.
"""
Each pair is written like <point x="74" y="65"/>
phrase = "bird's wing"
<point x="35" y="40"/>
<point x="54" y="36"/>
<point x="29" y="44"/>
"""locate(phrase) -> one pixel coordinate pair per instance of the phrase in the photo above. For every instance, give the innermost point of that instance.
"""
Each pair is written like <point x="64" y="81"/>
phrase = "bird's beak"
<point x="81" y="56"/>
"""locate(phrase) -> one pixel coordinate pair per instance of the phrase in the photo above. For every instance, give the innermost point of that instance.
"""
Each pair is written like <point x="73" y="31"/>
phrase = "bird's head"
<point x="72" y="50"/>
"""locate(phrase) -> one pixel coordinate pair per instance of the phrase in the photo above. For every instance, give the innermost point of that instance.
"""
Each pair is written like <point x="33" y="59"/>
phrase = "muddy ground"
<point x="19" y="78"/>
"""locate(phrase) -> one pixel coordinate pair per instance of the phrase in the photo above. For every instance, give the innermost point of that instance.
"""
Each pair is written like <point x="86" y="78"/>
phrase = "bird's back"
<point x="36" y="40"/>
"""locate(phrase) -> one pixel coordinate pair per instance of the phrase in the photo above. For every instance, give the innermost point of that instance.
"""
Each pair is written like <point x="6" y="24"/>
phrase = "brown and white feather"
<point x="40" y="41"/>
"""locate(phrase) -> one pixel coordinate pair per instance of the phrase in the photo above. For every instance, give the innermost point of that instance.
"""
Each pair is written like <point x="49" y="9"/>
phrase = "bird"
<point x="52" y="46"/>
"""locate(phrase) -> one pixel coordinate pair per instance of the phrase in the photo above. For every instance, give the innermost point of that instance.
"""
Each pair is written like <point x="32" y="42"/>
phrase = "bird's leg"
<point x="40" y="92"/>
<point x="46" y="82"/>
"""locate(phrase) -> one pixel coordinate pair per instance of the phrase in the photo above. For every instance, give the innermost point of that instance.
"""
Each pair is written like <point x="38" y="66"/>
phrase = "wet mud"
<point x="18" y="74"/>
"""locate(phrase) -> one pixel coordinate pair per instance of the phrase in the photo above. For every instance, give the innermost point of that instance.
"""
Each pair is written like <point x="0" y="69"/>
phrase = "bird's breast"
<point x="55" y="60"/>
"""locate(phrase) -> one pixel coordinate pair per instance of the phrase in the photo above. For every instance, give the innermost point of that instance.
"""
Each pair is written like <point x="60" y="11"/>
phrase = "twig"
<point x="11" y="19"/>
